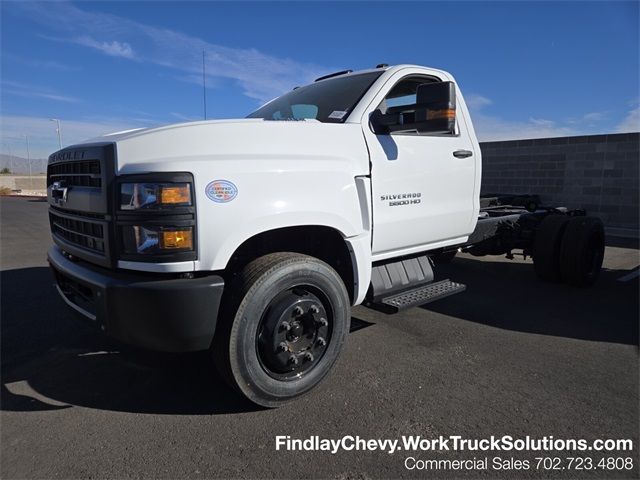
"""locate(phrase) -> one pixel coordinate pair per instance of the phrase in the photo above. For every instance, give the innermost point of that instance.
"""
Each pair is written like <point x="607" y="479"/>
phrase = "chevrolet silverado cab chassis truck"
<point x="254" y="237"/>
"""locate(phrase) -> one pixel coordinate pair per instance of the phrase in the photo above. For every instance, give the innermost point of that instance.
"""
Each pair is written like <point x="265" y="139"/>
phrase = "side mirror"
<point x="433" y="112"/>
<point x="437" y="112"/>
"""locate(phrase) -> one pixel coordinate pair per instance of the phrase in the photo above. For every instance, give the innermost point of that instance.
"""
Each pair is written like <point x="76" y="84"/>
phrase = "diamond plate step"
<point x="423" y="294"/>
<point x="399" y="276"/>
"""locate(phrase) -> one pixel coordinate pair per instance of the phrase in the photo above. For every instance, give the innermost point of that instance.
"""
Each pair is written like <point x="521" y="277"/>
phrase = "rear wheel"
<point x="284" y="329"/>
<point x="582" y="251"/>
<point x="546" y="247"/>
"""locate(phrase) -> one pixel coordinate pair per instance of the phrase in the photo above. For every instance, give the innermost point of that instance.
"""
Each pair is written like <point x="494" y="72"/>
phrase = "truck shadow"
<point x="509" y="295"/>
<point x="51" y="361"/>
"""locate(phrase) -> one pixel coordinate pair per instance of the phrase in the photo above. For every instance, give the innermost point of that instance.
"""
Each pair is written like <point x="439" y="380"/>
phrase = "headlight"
<point x="156" y="239"/>
<point x="138" y="196"/>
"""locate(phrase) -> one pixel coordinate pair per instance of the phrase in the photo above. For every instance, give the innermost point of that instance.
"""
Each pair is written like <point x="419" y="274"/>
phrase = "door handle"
<point x="462" y="153"/>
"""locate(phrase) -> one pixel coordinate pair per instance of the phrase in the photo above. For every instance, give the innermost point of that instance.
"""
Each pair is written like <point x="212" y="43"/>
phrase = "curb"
<point x="16" y="195"/>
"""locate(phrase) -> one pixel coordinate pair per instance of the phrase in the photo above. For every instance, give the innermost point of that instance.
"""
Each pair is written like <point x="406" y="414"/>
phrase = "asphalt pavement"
<point x="510" y="356"/>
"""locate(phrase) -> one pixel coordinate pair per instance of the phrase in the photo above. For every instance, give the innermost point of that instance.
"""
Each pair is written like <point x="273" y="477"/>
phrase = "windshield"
<point x="328" y="101"/>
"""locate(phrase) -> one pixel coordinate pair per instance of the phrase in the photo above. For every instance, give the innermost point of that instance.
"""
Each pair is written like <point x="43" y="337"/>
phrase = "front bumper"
<point x="173" y="315"/>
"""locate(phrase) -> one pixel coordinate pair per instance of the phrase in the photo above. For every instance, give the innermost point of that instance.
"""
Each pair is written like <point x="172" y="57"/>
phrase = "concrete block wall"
<point x="24" y="182"/>
<point x="595" y="172"/>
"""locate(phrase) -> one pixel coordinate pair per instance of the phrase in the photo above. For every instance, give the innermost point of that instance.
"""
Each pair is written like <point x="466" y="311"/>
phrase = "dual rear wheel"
<point x="569" y="249"/>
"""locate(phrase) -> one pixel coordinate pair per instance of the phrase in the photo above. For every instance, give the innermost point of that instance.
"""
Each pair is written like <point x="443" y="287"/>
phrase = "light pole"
<point x="204" y="88"/>
<point x="58" y="131"/>
<point x="26" y="137"/>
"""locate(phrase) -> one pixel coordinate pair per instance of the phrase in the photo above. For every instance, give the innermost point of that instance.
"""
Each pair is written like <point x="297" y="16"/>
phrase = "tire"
<point x="546" y="247"/>
<point x="582" y="251"/>
<point x="283" y="306"/>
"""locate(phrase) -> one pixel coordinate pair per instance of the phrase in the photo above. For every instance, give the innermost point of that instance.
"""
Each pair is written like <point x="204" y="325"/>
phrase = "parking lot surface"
<point x="510" y="356"/>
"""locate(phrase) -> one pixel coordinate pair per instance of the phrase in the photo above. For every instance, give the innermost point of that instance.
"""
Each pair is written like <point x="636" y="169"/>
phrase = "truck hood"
<point x="176" y="147"/>
<point x="134" y="132"/>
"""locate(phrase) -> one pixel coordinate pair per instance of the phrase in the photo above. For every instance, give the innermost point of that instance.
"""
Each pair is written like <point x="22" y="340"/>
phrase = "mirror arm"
<point x="383" y="122"/>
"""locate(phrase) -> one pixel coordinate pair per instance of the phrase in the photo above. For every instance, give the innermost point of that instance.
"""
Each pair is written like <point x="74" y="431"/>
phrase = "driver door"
<point x="423" y="185"/>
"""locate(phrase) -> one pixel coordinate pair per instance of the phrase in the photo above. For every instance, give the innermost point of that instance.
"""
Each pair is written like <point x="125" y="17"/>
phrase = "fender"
<point x="280" y="174"/>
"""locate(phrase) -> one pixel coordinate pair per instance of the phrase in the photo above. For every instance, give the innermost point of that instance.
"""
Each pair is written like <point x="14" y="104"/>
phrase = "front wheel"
<point x="282" y="328"/>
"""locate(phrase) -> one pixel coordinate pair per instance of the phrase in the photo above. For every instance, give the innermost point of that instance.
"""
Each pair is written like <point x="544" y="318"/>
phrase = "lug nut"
<point x="314" y="309"/>
<point x="283" y="347"/>
<point x="298" y="311"/>
<point x="323" y="322"/>
<point x="321" y="341"/>
<point x="308" y="356"/>
<point x="293" y="360"/>
<point x="285" y="326"/>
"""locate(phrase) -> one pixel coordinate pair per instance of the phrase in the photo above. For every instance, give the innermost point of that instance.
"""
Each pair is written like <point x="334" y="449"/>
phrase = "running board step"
<point x="422" y="294"/>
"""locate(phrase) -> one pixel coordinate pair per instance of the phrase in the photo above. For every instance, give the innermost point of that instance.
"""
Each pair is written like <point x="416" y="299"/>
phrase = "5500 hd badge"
<point x="402" y="199"/>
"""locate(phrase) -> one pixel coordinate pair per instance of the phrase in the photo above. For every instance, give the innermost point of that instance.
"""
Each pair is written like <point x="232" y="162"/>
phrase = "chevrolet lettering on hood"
<point x="67" y="155"/>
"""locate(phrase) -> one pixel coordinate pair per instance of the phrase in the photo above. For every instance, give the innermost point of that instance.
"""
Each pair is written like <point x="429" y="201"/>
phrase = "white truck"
<point x="254" y="237"/>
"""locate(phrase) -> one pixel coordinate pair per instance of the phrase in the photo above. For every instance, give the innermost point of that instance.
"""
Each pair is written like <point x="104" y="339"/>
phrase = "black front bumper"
<point x="159" y="313"/>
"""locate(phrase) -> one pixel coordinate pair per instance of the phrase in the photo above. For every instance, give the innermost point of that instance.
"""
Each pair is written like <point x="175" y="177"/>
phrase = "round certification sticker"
<point x="221" y="191"/>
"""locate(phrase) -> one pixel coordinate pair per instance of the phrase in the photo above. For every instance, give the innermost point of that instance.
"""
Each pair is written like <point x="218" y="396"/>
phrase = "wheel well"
<point x="321" y="242"/>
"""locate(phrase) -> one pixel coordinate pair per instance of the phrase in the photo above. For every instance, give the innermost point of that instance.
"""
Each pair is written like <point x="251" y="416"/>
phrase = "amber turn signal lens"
<point x="176" y="239"/>
<point x="446" y="113"/>
<point x="175" y="194"/>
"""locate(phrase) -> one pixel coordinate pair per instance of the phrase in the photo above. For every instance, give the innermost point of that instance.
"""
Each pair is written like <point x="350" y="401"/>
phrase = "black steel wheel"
<point x="294" y="332"/>
<point x="284" y="328"/>
<point x="546" y="247"/>
<point x="582" y="251"/>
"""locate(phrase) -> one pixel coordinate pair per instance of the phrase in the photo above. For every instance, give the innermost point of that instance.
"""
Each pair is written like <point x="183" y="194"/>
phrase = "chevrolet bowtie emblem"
<point x="59" y="192"/>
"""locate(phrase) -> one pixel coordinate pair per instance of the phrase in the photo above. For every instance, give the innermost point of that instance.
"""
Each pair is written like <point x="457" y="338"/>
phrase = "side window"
<point x="404" y="93"/>
<point x="401" y="101"/>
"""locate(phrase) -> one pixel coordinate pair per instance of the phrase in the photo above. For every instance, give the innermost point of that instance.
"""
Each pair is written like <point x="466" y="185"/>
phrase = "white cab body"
<point x="300" y="173"/>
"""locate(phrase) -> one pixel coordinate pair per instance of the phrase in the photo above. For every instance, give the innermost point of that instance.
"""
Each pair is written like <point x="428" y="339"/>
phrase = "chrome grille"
<point x="84" y="173"/>
<point x="79" y="231"/>
<point x="78" y="180"/>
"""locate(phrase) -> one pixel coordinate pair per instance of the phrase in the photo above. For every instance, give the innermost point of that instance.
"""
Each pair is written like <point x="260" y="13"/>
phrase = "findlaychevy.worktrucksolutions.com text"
<point x="505" y="443"/>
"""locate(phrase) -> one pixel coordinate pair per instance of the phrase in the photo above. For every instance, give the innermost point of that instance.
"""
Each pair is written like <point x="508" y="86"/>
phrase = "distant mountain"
<point x="20" y="165"/>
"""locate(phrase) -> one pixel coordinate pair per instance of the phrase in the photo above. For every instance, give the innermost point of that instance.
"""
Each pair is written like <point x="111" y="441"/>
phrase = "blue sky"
<point x="528" y="69"/>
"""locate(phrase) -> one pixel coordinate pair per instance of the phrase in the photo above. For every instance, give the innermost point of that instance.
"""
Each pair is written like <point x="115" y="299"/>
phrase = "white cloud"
<point x="477" y="102"/>
<point x="489" y="128"/>
<point x="542" y="122"/>
<point x="114" y="48"/>
<point x="631" y="123"/>
<point x="43" y="139"/>
<point x="590" y="119"/>
<point x="593" y="117"/>
<point x="184" y="118"/>
<point x="260" y="75"/>
<point x="38" y="63"/>
<point x="31" y="91"/>
<point x="492" y="128"/>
